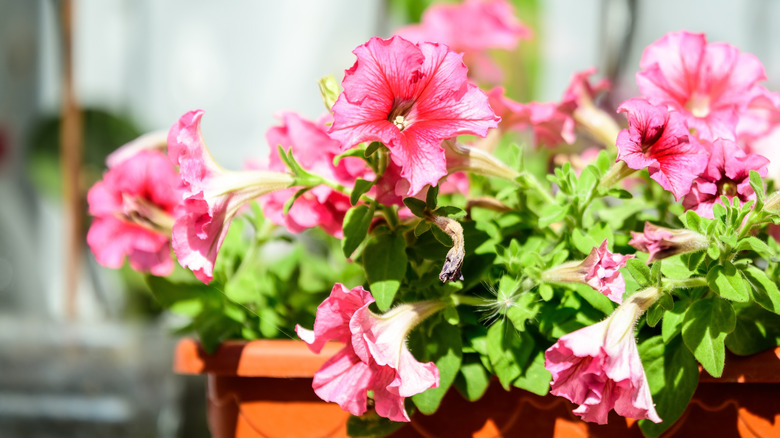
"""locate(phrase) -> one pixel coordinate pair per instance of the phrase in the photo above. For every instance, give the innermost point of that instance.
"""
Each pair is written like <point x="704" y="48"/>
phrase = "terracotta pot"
<point x="263" y="389"/>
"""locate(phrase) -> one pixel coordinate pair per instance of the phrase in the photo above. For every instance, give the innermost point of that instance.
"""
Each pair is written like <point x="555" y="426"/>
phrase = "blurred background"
<point x="85" y="351"/>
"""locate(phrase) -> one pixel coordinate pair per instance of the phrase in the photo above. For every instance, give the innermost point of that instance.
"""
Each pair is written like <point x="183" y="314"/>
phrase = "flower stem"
<point x="457" y="300"/>
<point x="532" y="183"/>
<point x="684" y="283"/>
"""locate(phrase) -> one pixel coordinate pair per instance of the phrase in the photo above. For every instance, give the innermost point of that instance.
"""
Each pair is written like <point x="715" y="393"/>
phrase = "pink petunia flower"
<point x="711" y="85"/>
<point x="472" y="27"/>
<point x="600" y="270"/>
<point x="658" y="140"/>
<point x="727" y="174"/>
<point x="661" y="242"/>
<point x="375" y="357"/>
<point x="410" y="97"/>
<point x="598" y="367"/>
<point x="314" y="150"/>
<point x="133" y="207"/>
<point x="553" y="123"/>
<point x="211" y="198"/>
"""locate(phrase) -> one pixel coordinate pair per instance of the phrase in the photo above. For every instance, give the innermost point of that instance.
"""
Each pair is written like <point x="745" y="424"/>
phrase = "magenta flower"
<point x="375" y="357"/>
<point x="727" y="174"/>
<point x="314" y="150"/>
<point x="598" y="367"/>
<point x="472" y="27"/>
<point x="711" y="85"/>
<point x="133" y="207"/>
<point x="212" y="196"/>
<point x="662" y="242"/>
<point x="658" y="140"/>
<point x="410" y="97"/>
<point x="600" y="270"/>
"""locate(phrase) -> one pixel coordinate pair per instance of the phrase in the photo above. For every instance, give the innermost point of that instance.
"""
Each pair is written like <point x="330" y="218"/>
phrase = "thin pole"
<point x="71" y="140"/>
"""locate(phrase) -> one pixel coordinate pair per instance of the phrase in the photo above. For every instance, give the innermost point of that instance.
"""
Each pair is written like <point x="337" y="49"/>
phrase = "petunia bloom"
<point x="212" y="196"/>
<point x="472" y="27"/>
<point x="658" y="140"/>
<point x="600" y="270"/>
<point x="598" y="367"/>
<point x="133" y="207"/>
<point x="727" y="174"/>
<point x="661" y="242"/>
<point x="553" y="123"/>
<point x="410" y="97"/>
<point x="711" y="84"/>
<point x="314" y="150"/>
<point x="375" y="357"/>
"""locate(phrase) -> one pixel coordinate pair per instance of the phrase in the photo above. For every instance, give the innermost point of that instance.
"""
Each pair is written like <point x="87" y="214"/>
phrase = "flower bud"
<point x="662" y="242"/>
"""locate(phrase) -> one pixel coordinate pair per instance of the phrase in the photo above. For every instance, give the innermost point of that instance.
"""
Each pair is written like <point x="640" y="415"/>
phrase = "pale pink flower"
<point x="600" y="270"/>
<point x="598" y="367"/>
<point x="661" y="242"/>
<point x="212" y="196"/>
<point x="471" y="27"/>
<point x="658" y="140"/>
<point x="727" y="174"/>
<point x="712" y="85"/>
<point x="553" y="123"/>
<point x="133" y="207"/>
<point x="410" y="97"/>
<point x="375" y="357"/>
<point x="314" y="150"/>
<point x="758" y="131"/>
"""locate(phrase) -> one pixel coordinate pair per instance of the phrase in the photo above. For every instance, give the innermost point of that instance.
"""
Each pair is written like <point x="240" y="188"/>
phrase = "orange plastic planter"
<point x="263" y="389"/>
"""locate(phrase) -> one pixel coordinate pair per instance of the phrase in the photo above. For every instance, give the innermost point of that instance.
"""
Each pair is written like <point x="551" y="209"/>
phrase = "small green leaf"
<point x="289" y="203"/>
<point x="640" y="272"/>
<point x="507" y="351"/>
<point x="763" y="290"/>
<point x="361" y="187"/>
<point x="355" y="226"/>
<point x="751" y="243"/>
<point x="758" y="187"/>
<point x="441" y="236"/>
<point x="372" y="148"/>
<point x="552" y="213"/>
<point x="545" y="291"/>
<point x="728" y="282"/>
<point x="329" y="89"/>
<point x="473" y="379"/>
<point x="384" y="261"/>
<point x="619" y="193"/>
<point x="432" y="197"/>
<point x="450" y="211"/>
<point x="417" y="207"/>
<point x="705" y="326"/>
<point x="757" y="329"/>
<point x="692" y="220"/>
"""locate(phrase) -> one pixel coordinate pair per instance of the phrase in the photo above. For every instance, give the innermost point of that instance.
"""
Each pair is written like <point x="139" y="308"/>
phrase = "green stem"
<point x="467" y="300"/>
<point x="684" y="283"/>
<point x="534" y="184"/>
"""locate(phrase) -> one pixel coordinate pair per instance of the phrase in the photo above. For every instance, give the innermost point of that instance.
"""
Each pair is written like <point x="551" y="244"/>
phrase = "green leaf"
<point x="289" y="203"/>
<point x="441" y="236"/>
<point x="432" y="197"/>
<point x="384" y="261"/>
<point x="329" y="89"/>
<point x="361" y="187"/>
<point x="705" y="326"/>
<point x="417" y="207"/>
<point x="619" y="193"/>
<point x="473" y="379"/>
<point x="442" y="346"/>
<point x="552" y="213"/>
<point x="671" y="325"/>
<point x="751" y="243"/>
<point x="450" y="211"/>
<point x="763" y="290"/>
<point x="421" y="228"/>
<point x="508" y="350"/>
<point x="639" y="271"/>
<point x="372" y="148"/>
<point x="728" y="282"/>
<point x="757" y="329"/>
<point x="673" y="376"/>
<point x="692" y="221"/>
<point x="371" y="425"/>
<point x="525" y="308"/>
<point x="758" y="187"/>
<point x="535" y="377"/>
<point x="545" y="291"/>
<point x="356" y="224"/>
